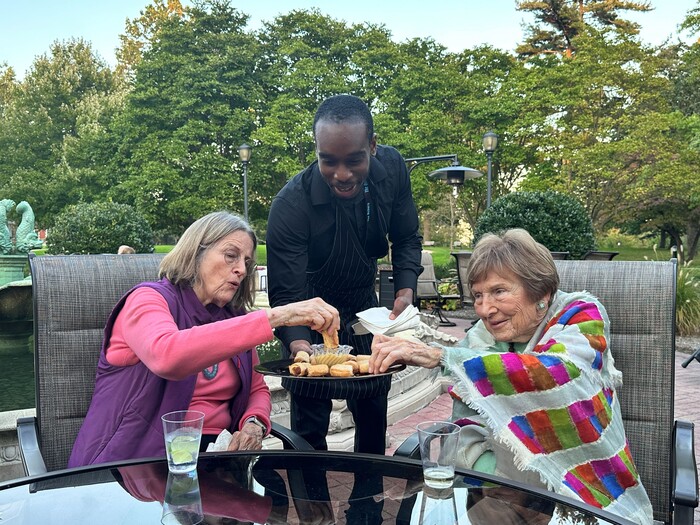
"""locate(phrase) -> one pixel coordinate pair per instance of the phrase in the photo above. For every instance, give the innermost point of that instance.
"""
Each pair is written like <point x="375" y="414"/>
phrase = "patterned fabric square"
<point x="599" y="482"/>
<point x="546" y="431"/>
<point x="510" y="374"/>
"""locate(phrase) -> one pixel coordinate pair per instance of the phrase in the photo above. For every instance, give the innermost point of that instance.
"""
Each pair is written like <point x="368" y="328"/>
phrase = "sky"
<point x="28" y="27"/>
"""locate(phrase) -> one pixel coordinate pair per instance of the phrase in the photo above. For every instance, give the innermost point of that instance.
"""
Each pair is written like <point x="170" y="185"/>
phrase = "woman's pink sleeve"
<point x="259" y="403"/>
<point x="150" y="331"/>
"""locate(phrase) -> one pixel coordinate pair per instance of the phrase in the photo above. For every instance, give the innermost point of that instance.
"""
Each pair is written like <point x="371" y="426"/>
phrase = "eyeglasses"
<point x="233" y="258"/>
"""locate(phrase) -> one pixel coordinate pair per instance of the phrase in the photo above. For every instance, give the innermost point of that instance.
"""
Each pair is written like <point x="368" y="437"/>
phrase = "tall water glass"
<point x="183" y="432"/>
<point x="438" y="449"/>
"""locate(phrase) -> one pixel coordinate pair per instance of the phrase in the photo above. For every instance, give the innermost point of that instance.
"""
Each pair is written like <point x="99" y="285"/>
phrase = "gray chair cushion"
<point x="640" y="298"/>
<point x="73" y="295"/>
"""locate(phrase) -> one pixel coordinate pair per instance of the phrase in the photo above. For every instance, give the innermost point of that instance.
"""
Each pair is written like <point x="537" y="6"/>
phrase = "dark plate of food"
<point x="281" y="368"/>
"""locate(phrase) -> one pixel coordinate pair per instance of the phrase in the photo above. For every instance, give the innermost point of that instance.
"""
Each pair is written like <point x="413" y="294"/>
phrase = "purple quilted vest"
<point x="123" y="421"/>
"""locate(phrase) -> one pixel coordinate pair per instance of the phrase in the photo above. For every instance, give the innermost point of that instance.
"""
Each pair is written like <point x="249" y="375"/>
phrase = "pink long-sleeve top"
<point x="146" y="331"/>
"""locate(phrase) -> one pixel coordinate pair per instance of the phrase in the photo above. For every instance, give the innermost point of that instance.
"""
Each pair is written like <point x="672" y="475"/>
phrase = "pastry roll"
<point x="302" y="357"/>
<point x="299" y="369"/>
<point x="363" y="366"/>
<point x="341" y="371"/>
<point x="317" y="370"/>
<point x="330" y="340"/>
<point x="353" y="364"/>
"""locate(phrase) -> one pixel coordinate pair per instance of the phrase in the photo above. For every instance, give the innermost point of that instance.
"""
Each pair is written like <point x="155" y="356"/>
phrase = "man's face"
<point x="343" y="152"/>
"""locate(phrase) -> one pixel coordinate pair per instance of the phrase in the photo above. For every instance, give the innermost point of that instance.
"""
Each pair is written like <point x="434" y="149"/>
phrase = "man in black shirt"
<point x="327" y="228"/>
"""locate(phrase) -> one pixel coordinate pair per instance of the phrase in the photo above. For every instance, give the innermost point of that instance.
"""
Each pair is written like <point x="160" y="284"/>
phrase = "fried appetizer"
<point x="302" y="357"/>
<point x="330" y="359"/>
<point x="299" y="369"/>
<point x="341" y="371"/>
<point x="363" y="367"/>
<point x="353" y="364"/>
<point x="317" y="370"/>
<point x="330" y="341"/>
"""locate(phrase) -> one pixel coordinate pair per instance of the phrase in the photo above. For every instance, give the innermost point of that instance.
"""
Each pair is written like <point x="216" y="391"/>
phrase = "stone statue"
<point x="26" y="239"/>
<point x="5" y="238"/>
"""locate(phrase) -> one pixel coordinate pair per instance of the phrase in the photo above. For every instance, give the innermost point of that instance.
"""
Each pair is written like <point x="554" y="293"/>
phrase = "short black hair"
<point x="339" y="108"/>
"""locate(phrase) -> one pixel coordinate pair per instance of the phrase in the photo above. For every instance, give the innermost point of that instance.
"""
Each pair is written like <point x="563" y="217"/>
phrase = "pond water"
<point x="17" y="380"/>
<point x="17" y="375"/>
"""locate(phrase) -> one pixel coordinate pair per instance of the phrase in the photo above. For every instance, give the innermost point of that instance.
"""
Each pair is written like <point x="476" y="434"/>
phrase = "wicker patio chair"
<point x="640" y="298"/>
<point x="73" y="295"/>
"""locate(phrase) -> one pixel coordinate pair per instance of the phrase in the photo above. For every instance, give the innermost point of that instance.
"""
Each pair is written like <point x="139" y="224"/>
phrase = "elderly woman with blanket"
<point x="534" y="380"/>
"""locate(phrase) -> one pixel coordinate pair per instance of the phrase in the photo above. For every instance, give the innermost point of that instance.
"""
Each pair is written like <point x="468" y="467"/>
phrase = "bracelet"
<point x="258" y="423"/>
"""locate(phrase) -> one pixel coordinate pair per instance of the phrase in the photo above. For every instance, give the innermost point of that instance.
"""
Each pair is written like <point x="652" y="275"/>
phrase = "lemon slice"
<point x="181" y="456"/>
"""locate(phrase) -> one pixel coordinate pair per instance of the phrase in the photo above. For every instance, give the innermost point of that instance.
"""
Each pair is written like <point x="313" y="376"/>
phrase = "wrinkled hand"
<point x="248" y="438"/>
<point x="387" y="351"/>
<point x="404" y="298"/>
<point x="314" y="313"/>
<point x="314" y="512"/>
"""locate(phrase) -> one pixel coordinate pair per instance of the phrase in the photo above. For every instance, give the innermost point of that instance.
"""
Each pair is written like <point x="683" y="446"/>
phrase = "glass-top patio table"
<point x="276" y="486"/>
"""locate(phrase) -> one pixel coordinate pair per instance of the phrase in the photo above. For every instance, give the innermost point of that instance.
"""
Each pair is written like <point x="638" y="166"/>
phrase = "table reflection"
<point x="282" y="487"/>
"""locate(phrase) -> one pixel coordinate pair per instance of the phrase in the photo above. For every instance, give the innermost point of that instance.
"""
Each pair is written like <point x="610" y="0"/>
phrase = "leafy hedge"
<point x="557" y="220"/>
<point x="100" y="227"/>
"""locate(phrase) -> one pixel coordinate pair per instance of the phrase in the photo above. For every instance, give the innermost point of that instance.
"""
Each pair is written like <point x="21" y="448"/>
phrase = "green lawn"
<point x="442" y="257"/>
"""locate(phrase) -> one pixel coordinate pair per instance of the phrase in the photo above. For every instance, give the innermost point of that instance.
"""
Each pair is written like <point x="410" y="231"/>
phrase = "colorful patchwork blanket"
<point x="553" y="407"/>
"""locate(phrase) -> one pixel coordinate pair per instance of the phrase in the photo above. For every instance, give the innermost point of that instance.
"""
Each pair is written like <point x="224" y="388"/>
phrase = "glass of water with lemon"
<point x="183" y="432"/>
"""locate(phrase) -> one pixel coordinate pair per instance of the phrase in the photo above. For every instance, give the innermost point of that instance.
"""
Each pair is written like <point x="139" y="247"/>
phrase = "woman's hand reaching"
<point x="387" y="351"/>
<point x="314" y="313"/>
<point x="249" y="437"/>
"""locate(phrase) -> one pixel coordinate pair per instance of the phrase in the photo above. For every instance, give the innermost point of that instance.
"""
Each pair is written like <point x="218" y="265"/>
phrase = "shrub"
<point x="613" y="239"/>
<point x="558" y="221"/>
<point x="687" y="301"/>
<point x="100" y="227"/>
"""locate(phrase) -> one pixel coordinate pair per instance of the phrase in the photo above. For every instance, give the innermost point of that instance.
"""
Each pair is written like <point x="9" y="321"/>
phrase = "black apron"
<point x="346" y="281"/>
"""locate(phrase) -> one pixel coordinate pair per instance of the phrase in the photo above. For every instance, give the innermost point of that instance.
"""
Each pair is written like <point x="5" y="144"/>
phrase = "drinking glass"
<point x="438" y="448"/>
<point x="183" y="432"/>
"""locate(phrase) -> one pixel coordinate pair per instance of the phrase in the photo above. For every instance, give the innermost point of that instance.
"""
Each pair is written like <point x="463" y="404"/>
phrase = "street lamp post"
<point x="244" y="152"/>
<point x="489" y="142"/>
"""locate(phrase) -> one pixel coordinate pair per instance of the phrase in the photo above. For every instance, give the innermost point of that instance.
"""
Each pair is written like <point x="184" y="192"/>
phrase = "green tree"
<point x="306" y="57"/>
<point x="41" y="115"/>
<point x="139" y="32"/>
<point x="559" y="22"/>
<point x="191" y="106"/>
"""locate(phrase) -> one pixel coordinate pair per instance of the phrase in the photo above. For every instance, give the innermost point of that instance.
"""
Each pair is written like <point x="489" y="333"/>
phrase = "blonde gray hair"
<point x="181" y="265"/>
<point x="517" y="252"/>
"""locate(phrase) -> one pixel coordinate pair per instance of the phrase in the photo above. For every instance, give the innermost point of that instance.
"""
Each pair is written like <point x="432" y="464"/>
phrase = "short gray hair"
<point x="181" y="265"/>
<point x="517" y="252"/>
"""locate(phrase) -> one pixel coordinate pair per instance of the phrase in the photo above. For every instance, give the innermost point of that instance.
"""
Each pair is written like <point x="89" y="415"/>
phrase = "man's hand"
<point x="298" y="346"/>
<point x="404" y="298"/>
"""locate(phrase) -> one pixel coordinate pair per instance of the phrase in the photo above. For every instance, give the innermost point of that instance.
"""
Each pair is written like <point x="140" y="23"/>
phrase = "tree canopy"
<point x="582" y="107"/>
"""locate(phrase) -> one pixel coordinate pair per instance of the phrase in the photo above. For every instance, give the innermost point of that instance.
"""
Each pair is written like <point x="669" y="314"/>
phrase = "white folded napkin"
<point x="221" y="443"/>
<point x="376" y="320"/>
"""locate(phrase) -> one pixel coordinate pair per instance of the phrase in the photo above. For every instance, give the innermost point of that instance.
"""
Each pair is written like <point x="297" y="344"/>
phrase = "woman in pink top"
<point x="188" y="341"/>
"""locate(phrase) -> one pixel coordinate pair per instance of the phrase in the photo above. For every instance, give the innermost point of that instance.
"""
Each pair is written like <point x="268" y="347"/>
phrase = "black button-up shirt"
<point x="302" y="222"/>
